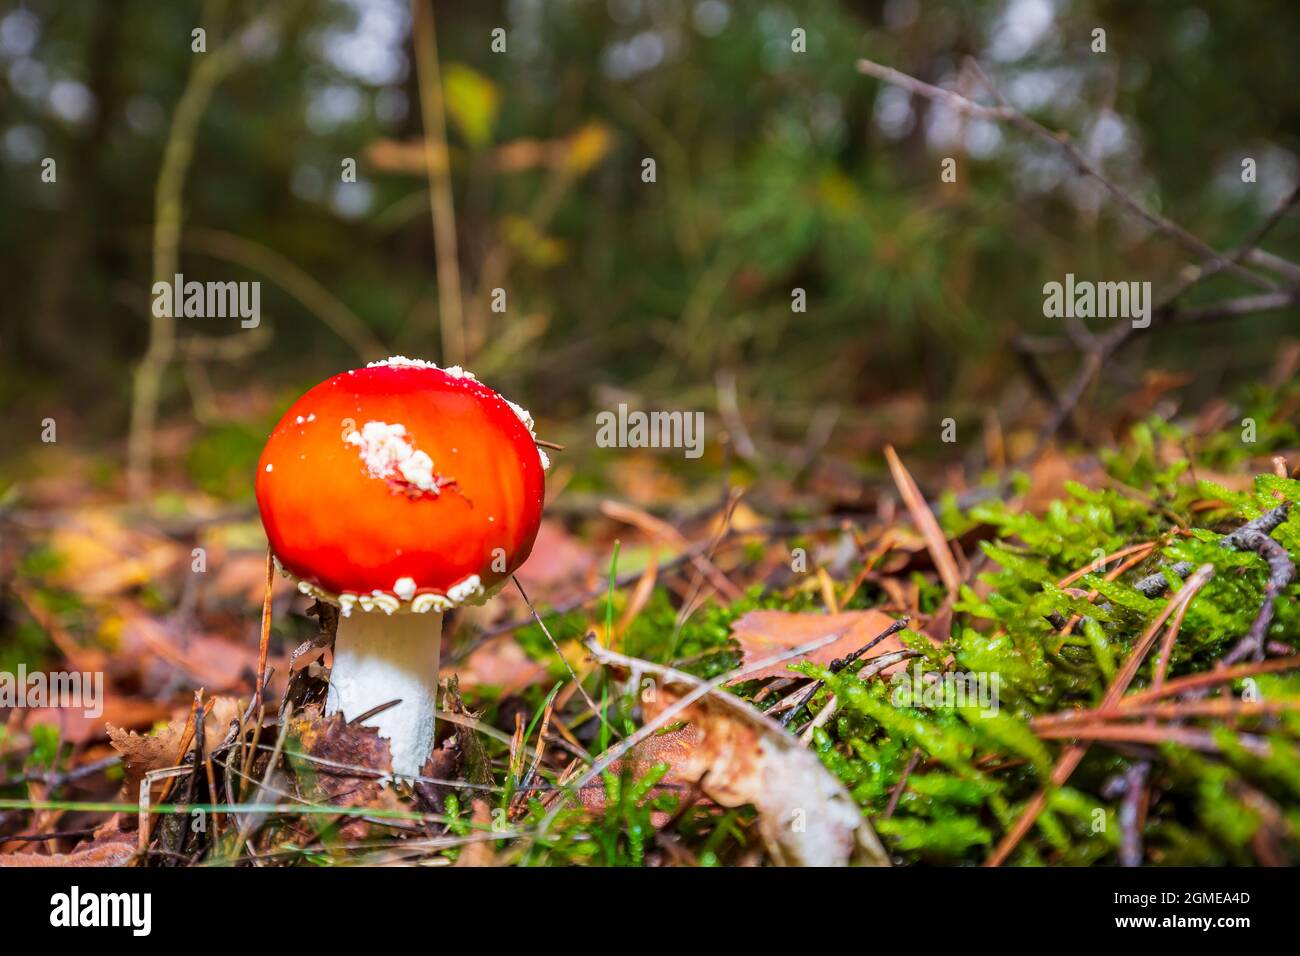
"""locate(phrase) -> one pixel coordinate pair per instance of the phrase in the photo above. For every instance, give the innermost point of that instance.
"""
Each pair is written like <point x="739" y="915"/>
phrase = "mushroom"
<point x="397" y="492"/>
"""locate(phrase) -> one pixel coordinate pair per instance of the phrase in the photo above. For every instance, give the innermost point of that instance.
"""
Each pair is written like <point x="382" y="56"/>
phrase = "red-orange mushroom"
<point x="398" y="491"/>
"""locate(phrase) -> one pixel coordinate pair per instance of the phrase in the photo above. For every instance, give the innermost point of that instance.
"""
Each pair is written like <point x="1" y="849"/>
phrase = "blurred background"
<point x="775" y="170"/>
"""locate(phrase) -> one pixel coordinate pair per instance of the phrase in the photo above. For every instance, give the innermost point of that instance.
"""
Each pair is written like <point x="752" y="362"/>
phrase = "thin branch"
<point x="322" y="303"/>
<point x="1062" y="141"/>
<point x="206" y="75"/>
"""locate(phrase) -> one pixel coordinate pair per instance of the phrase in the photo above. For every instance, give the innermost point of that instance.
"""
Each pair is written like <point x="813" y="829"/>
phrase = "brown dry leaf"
<point x="764" y="633"/>
<point x="241" y="576"/>
<point x="142" y="753"/>
<point x="642" y="478"/>
<point x="1156" y="383"/>
<point x="674" y="747"/>
<point x="576" y="153"/>
<point x="108" y="847"/>
<point x="740" y="756"/>
<point x="333" y="740"/>
<point x="205" y="659"/>
<point x="396" y="156"/>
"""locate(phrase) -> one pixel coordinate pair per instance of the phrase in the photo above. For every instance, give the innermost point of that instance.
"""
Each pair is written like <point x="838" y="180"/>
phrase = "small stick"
<point x="897" y="793"/>
<point x="373" y="711"/>
<point x="840" y="663"/>
<point x="1131" y="813"/>
<point x="264" y="638"/>
<point x="1254" y="536"/>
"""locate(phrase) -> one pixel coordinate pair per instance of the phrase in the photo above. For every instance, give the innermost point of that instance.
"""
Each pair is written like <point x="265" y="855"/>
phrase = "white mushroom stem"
<point x="379" y="658"/>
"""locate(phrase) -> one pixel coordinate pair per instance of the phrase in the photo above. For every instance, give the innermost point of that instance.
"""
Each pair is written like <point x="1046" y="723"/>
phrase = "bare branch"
<point x="1063" y="142"/>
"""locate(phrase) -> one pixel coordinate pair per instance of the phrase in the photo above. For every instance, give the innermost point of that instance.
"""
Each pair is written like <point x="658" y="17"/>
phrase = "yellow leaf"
<point x="588" y="146"/>
<point x="473" y="102"/>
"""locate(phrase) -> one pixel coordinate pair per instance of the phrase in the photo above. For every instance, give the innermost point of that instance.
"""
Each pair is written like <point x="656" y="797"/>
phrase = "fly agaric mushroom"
<point x="397" y="492"/>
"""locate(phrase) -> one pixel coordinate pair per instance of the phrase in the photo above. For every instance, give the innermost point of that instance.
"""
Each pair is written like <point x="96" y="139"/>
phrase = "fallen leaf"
<point x="740" y="756"/>
<point x="764" y="633"/>
<point x="108" y="847"/>
<point x="558" y="567"/>
<point x="205" y="659"/>
<point x="673" y="747"/>
<point x="333" y="742"/>
<point x="142" y="753"/>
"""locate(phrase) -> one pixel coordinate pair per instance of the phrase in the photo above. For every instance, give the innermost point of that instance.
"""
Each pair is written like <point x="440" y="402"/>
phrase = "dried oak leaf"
<point x="765" y="633"/>
<point x="142" y="753"/>
<point x="109" y="846"/>
<point x="333" y="777"/>
<point x="740" y="756"/>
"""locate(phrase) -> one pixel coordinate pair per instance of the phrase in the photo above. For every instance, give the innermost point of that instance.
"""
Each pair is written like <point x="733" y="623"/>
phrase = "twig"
<point x="1196" y="739"/>
<point x="1172" y="710"/>
<point x="1156" y="584"/>
<point x="1223" y="675"/>
<point x="1063" y="142"/>
<point x="1264" y="524"/>
<point x="1281" y="572"/>
<point x="205" y="76"/>
<point x="317" y="299"/>
<point x="264" y="632"/>
<point x="54" y="780"/>
<point x="840" y="663"/>
<point x="1131" y="813"/>
<point x="897" y="793"/>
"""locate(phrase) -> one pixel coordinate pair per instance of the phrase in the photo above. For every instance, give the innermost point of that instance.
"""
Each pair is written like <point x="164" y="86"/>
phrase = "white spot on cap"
<point x="471" y="587"/>
<point x="404" y="588"/>
<point x="268" y="469"/>
<point x="455" y="371"/>
<point x="388" y="453"/>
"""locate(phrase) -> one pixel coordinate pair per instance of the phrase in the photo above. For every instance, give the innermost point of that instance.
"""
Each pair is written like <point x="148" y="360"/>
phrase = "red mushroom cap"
<point x="401" y="486"/>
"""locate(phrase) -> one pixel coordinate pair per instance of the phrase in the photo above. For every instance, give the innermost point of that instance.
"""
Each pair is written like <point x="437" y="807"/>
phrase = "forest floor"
<point x="1091" y="659"/>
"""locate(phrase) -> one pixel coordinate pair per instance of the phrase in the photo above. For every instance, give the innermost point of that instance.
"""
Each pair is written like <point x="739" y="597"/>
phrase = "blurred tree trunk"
<point x="61" y="284"/>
